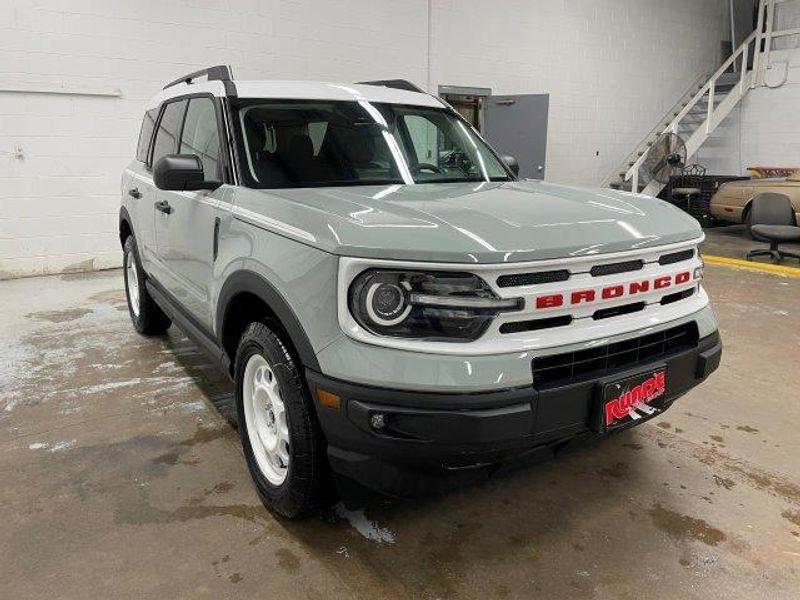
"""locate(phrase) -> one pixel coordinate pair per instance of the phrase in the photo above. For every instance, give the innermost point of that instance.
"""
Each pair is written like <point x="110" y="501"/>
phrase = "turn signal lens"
<point x="328" y="399"/>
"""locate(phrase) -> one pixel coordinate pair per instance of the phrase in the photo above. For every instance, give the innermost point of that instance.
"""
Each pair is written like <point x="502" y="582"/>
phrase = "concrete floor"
<point x="731" y="241"/>
<point x="122" y="477"/>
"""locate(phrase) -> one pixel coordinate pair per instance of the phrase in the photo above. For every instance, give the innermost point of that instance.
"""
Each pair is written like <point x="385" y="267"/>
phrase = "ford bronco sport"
<point x="395" y="307"/>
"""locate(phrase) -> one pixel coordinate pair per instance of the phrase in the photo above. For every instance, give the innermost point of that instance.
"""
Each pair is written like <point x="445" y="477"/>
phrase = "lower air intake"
<point x="569" y="367"/>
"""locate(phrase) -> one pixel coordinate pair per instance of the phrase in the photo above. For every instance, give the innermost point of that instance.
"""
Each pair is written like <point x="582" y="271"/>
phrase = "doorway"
<point x="469" y="102"/>
<point x="512" y="124"/>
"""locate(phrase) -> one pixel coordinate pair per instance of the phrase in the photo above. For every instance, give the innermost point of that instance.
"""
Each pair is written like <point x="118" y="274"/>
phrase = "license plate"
<point x="631" y="399"/>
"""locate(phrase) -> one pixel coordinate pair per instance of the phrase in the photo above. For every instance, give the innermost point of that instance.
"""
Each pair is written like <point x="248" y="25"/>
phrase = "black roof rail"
<point x="398" y="84"/>
<point x="216" y="73"/>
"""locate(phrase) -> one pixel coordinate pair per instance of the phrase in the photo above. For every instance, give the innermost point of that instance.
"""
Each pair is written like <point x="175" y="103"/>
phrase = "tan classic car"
<point x="732" y="201"/>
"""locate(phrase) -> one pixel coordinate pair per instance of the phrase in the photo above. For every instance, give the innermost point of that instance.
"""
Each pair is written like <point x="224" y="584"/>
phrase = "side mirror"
<point x="181" y="173"/>
<point x="511" y="163"/>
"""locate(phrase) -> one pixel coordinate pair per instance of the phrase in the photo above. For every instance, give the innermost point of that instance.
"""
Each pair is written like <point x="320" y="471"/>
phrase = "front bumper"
<point x="432" y="440"/>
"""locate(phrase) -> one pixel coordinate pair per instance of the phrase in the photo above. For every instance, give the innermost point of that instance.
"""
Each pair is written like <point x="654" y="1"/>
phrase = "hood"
<point x="467" y="223"/>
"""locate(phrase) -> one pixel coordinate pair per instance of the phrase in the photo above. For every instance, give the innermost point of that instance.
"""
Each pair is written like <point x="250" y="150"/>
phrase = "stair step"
<point x="694" y="118"/>
<point x="704" y="102"/>
<point x="626" y="186"/>
<point x="730" y="79"/>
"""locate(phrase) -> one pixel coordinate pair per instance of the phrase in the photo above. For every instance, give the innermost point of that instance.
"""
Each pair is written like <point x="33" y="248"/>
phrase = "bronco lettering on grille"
<point x="610" y="292"/>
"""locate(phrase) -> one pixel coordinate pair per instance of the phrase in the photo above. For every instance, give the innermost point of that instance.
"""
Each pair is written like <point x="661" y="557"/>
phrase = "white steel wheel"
<point x="132" y="273"/>
<point x="265" y="415"/>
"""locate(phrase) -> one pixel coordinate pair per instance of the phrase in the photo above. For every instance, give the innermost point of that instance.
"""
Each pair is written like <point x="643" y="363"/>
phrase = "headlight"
<point x="698" y="271"/>
<point x="429" y="305"/>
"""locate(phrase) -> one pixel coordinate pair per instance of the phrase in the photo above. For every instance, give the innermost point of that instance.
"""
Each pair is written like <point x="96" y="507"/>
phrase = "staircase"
<point x="694" y="117"/>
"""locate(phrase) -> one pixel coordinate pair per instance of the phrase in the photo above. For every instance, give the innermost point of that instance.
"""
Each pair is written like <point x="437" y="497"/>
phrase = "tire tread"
<point x="309" y="486"/>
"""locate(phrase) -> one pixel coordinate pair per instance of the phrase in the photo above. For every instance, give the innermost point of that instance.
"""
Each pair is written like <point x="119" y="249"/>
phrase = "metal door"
<point x="517" y="125"/>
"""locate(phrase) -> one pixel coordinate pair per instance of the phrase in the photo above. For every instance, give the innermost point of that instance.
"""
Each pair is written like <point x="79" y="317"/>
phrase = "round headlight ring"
<point x="386" y="303"/>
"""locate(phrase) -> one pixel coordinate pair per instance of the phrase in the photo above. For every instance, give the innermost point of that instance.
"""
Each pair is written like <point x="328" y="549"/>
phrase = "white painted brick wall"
<point x="770" y="124"/>
<point x="611" y="66"/>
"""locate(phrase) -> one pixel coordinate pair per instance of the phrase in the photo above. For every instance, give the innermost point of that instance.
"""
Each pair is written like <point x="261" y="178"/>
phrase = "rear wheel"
<point x="748" y="223"/>
<point x="281" y="438"/>
<point x="146" y="315"/>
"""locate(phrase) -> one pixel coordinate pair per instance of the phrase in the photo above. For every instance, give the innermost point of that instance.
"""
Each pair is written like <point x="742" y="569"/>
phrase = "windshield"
<point x="308" y="143"/>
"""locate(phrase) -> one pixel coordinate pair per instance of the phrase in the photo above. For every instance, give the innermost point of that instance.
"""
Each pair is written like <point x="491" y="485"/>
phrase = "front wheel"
<point x="282" y="441"/>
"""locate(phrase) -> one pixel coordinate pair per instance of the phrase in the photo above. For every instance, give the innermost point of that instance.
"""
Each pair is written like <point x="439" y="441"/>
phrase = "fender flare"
<point x="124" y="217"/>
<point x="249" y="281"/>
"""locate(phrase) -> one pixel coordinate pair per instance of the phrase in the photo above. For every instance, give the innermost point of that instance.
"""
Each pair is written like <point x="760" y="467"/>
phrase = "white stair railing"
<point x="715" y="113"/>
<point x="647" y="140"/>
<point x="757" y="47"/>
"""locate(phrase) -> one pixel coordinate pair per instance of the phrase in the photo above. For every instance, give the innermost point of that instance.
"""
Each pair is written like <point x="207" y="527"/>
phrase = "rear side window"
<point x="168" y="130"/>
<point x="146" y="134"/>
<point x="201" y="135"/>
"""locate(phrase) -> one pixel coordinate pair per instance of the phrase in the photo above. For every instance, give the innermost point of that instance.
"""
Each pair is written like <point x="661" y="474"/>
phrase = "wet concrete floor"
<point x="123" y="477"/>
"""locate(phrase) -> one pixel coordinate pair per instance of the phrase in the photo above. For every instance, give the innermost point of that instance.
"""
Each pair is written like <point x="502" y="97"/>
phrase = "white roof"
<point x="301" y="90"/>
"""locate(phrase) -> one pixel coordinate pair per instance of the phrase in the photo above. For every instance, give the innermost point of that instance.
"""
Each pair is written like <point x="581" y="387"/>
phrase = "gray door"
<point x="517" y="125"/>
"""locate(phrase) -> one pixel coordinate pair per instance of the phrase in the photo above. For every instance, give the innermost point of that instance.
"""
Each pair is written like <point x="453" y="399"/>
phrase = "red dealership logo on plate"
<point x="644" y="393"/>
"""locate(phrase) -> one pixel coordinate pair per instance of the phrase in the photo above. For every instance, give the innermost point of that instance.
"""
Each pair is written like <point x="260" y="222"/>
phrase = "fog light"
<point x="377" y="420"/>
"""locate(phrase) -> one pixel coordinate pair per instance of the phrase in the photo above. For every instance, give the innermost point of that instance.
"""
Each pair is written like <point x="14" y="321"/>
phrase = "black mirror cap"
<point x="181" y="173"/>
<point x="511" y="163"/>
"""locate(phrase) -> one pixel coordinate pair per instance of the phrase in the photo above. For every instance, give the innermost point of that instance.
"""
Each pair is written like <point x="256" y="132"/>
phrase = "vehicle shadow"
<point x="208" y="377"/>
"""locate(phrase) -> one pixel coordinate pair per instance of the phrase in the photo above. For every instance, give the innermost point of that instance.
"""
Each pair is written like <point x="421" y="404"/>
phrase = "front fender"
<point x="253" y="283"/>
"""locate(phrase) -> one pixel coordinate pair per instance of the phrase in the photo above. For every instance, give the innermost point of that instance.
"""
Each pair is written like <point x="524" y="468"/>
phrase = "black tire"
<point x="307" y="486"/>
<point x="747" y="220"/>
<point x="150" y="319"/>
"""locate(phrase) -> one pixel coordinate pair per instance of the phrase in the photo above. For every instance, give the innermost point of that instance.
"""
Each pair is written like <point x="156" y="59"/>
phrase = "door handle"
<point x="134" y="193"/>
<point x="163" y="207"/>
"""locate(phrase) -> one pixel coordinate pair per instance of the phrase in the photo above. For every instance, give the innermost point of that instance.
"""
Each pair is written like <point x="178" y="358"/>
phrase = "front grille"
<point x="674" y="257"/>
<point x="520" y="279"/>
<point x="615" y="311"/>
<point x="670" y="298"/>
<point x="613" y="268"/>
<point x="569" y="367"/>
<point x="535" y="324"/>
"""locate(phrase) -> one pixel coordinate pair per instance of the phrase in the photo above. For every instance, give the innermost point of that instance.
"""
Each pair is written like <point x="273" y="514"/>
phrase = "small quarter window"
<point x="168" y="130"/>
<point x="146" y="134"/>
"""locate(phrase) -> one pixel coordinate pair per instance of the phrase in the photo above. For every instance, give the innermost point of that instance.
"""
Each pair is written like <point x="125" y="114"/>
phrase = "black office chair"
<point x="773" y="221"/>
